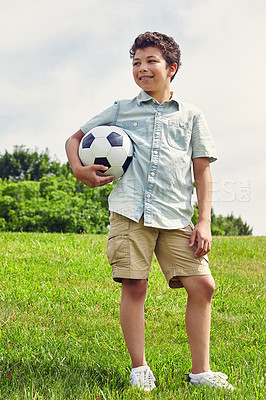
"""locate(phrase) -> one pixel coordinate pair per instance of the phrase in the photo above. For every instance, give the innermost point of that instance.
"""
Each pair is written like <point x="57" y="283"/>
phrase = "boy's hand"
<point x="91" y="176"/>
<point x="201" y="239"/>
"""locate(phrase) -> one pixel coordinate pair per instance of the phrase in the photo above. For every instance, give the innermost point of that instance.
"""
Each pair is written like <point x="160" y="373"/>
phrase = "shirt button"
<point x="152" y="173"/>
<point x="135" y="124"/>
<point x="159" y="114"/>
<point x="148" y="196"/>
<point x="155" y="152"/>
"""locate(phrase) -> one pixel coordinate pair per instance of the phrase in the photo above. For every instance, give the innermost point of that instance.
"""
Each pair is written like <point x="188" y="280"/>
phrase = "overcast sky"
<point x="63" y="61"/>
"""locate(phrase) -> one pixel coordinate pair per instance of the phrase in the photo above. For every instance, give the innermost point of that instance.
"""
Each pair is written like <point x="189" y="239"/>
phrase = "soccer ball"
<point x="109" y="146"/>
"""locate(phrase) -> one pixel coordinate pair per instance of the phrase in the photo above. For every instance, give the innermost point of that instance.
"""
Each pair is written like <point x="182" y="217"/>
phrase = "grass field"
<point x="60" y="332"/>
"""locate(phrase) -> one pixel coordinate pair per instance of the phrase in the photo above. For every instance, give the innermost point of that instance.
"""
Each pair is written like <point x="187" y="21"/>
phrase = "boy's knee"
<point x="135" y="288"/>
<point x="201" y="287"/>
<point x="209" y="288"/>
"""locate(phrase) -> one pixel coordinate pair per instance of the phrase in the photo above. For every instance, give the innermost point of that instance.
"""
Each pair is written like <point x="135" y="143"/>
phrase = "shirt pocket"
<point x="178" y="134"/>
<point x="136" y="130"/>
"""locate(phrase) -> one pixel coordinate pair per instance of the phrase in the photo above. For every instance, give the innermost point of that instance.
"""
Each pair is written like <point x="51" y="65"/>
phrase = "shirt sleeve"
<point x="106" y="117"/>
<point x="202" y="141"/>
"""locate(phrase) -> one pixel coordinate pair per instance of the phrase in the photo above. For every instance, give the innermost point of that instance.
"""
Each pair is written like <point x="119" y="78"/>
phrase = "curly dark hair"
<point x="169" y="48"/>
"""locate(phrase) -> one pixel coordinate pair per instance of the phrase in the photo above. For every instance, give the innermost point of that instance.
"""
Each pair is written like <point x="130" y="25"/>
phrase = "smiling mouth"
<point x="145" y="78"/>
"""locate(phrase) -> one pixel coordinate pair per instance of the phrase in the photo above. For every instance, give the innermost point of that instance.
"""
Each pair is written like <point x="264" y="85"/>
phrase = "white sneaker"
<point x="143" y="378"/>
<point x="215" y="379"/>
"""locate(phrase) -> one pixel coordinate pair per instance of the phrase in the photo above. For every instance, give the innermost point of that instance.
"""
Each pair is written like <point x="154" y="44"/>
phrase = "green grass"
<point x="60" y="332"/>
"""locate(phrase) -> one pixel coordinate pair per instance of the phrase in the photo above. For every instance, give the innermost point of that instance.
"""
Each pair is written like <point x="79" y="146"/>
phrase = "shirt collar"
<point x="145" y="97"/>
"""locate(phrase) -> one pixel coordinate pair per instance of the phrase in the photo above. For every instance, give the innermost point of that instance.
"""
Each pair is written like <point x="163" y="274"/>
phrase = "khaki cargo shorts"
<point x="131" y="246"/>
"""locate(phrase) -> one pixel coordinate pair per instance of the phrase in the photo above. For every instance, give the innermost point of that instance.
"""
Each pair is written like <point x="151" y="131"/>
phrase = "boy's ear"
<point x="172" y="69"/>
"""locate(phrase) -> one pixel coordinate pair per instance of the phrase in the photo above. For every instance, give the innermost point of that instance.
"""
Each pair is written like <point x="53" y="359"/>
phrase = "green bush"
<point x="63" y="204"/>
<point x="38" y="194"/>
<point x="53" y="205"/>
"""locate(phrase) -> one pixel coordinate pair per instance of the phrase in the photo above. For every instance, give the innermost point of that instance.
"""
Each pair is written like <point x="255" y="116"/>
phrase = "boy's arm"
<point x="88" y="175"/>
<point x="201" y="235"/>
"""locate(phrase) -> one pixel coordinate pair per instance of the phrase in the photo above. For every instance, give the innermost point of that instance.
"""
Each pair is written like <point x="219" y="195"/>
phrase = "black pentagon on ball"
<point x="115" y="139"/>
<point x="126" y="163"/>
<point x="102" y="161"/>
<point x="87" y="141"/>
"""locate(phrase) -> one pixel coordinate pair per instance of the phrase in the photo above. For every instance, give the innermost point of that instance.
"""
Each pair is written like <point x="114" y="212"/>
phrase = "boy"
<point x="151" y="204"/>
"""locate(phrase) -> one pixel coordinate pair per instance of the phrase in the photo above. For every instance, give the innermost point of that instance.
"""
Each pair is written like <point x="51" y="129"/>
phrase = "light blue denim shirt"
<point x="166" y="137"/>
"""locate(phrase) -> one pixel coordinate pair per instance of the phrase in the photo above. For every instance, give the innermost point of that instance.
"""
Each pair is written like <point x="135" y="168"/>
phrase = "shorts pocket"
<point x="118" y="250"/>
<point x="206" y="258"/>
<point x="118" y="240"/>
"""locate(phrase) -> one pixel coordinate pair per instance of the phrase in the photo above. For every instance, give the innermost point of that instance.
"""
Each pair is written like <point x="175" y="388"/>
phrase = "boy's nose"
<point x="143" y="67"/>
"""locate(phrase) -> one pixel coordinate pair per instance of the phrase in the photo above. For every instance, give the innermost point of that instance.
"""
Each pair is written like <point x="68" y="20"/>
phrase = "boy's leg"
<point x="198" y="319"/>
<point x="132" y="318"/>
<point x="130" y="249"/>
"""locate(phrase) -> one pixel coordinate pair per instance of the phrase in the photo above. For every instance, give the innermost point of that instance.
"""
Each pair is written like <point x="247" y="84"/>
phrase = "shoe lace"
<point x="146" y="378"/>
<point x="217" y="377"/>
<point x="149" y="379"/>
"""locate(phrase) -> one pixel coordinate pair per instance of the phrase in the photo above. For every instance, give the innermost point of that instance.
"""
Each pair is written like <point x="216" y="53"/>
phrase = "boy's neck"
<point x="161" y="97"/>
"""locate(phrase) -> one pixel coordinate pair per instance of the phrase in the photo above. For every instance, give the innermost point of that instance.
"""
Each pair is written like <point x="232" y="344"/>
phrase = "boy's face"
<point x="151" y="73"/>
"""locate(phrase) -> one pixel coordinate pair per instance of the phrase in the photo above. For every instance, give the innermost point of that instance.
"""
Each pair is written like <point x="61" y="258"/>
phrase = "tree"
<point x="225" y="226"/>
<point x="24" y="164"/>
